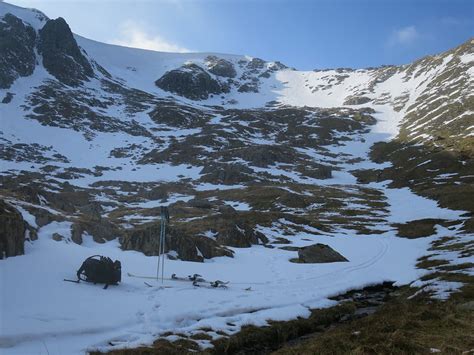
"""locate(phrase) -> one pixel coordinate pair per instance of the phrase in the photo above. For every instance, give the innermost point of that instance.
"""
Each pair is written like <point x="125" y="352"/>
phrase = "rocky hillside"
<point x="258" y="162"/>
<point x="101" y="140"/>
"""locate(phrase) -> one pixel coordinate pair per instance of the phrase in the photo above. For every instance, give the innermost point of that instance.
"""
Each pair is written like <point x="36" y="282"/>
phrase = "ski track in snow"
<point x="41" y="314"/>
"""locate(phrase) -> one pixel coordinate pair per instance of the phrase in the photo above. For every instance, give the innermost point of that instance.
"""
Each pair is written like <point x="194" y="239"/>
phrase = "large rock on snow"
<point x="12" y="231"/>
<point x="17" y="50"/>
<point x="191" y="81"/>
<point x="62" y="57"/>
<point x="145" y="238"/>
<point x="319" y="253"/>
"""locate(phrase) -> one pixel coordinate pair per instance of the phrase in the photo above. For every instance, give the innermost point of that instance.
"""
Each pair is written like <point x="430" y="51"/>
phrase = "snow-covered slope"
<point x="254" y="160"/>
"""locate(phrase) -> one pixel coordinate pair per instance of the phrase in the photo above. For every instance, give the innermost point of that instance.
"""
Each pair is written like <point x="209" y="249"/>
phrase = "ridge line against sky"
<point x="302" y="34"/>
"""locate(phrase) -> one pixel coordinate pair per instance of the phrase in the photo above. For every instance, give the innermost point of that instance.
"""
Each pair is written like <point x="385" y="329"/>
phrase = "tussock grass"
<point x="401" y="326"/>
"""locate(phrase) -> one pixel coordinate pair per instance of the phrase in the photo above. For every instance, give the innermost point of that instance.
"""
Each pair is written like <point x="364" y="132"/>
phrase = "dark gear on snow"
<point x="100" y="270"/>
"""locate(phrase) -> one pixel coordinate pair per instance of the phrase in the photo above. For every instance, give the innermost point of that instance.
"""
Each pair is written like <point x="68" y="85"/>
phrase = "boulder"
<point x="12" y="231"/>
<point x="58" y="237"/>
<point x="191" y="81"/>
<point x="319" y="253"/>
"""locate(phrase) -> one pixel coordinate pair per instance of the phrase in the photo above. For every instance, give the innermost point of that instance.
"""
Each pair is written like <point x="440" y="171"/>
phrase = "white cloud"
<point x="404" y="36"/>
<point x="133" y="35"/>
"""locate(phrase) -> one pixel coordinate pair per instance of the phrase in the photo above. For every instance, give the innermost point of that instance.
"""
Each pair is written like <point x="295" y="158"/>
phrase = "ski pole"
<point x="163" y="260"/>
<point x="159" y="252"/>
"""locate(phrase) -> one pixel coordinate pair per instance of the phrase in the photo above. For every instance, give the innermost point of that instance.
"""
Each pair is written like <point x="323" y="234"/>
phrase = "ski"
<point x="190" y="278"/>
<point x="74" y="281"/>
<point x="195" y="279"/>
<point x="212" y="284"/>
<point x="159" y="287"/>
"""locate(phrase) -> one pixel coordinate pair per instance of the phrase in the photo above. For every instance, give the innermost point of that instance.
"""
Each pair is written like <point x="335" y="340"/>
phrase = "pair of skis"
<point x="196" y="279"/>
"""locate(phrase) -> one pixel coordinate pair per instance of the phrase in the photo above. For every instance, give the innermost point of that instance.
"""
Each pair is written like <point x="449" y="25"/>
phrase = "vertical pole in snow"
<point x="159" y="253"/>
<point x="161" y="244"/>
<point x="163" y="248"/>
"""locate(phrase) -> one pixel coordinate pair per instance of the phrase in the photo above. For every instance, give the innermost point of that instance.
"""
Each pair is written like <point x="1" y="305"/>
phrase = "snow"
<point x="467" y="58"/>
<point x="43" y="314"/>
<point x="157" y="203"/>
<point x="30" y="16"/>
<point x="135" y="314"/>
<point x="439" y="289"/>
<point x="70" y="318"/>
<point x="238" y="205"/>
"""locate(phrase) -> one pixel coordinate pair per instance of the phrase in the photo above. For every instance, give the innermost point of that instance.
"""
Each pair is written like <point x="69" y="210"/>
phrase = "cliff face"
<point x="12" y="231"/>
<point x="17" y="56"/>
<point x="61" y="55"/>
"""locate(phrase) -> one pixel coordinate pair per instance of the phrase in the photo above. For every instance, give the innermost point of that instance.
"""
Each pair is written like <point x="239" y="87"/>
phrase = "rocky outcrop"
<point x="220" y="67"/>
<point x="256" y="63"/>
<point x="17" y="55"/>
<point x="357" y="100"/>
<point x="174" y="115"/>
<point x="239" y="235"/>
<point x="12" y="231"/>
<point x="319" y="253"/>
<point x="191" y="81"/>
<point x="62" y="57"/>
<point x="418" y="228"/>
<point x="317" y="171"/>
<point x="200" y="203"/>
<point x="251" y="87"/>
<point x="44" y="217"/>
<point x="101" y="230"/>
<point x="264" y="155"/>
<point x="145" y="238"/>
<point x="226" y="173"/>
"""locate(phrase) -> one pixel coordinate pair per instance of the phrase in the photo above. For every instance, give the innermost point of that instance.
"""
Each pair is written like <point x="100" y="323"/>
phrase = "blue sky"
<point x="301" y="34"/>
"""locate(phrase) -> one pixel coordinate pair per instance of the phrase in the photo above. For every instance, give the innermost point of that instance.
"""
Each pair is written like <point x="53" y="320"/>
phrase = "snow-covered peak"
<point x="33" y="17"/>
